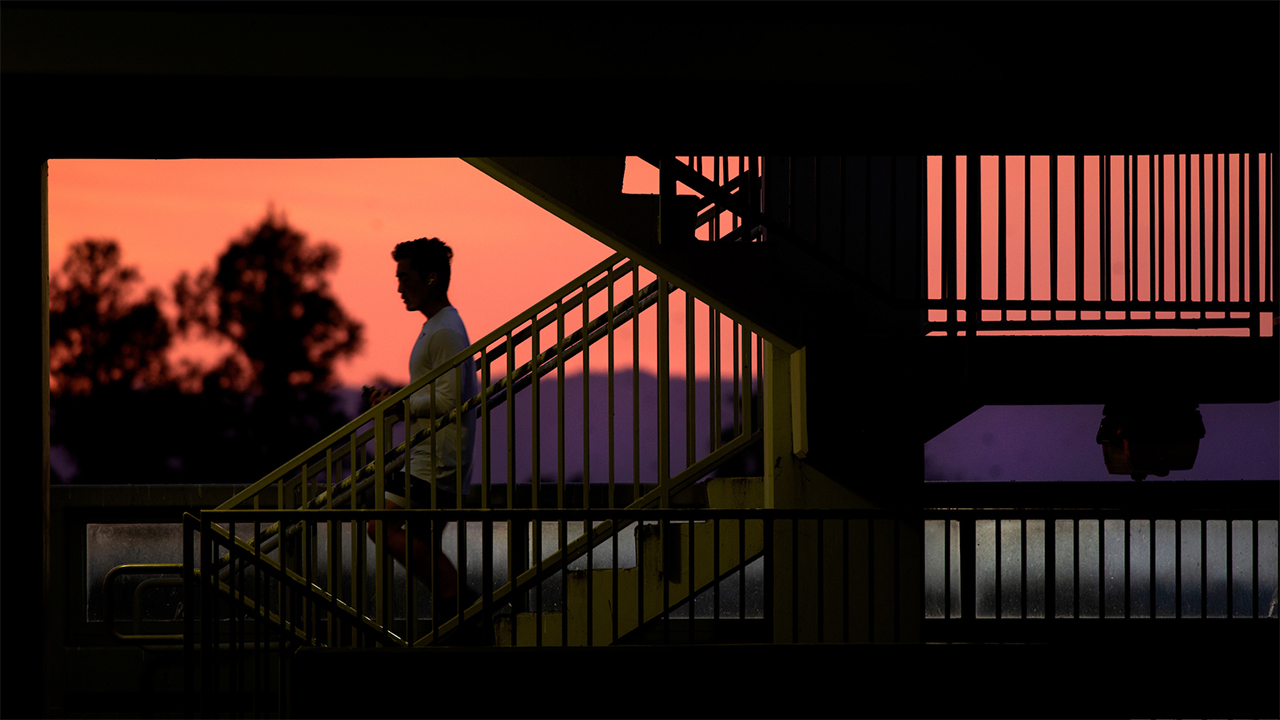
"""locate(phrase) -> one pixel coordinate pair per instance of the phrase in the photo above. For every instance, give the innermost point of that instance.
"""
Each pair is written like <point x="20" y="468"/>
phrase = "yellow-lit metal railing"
<point x="585" y="313"/>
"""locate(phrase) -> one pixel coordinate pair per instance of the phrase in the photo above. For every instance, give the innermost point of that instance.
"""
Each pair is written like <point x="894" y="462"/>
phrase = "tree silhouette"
<point x="118" y="406"/>
<point x="97" y="337"/>
<point x="269" y="296"/>
<point x="111" y="385"/>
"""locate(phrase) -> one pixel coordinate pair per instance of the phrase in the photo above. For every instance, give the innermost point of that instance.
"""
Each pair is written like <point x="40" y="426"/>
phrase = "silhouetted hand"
<point x="377" y="395"/>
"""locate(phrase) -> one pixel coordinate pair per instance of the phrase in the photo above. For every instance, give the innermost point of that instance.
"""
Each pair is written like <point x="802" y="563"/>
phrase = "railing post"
<point x="381" y="571"/>
<point x="189" y="614"/>
<point x="968" y="563"/>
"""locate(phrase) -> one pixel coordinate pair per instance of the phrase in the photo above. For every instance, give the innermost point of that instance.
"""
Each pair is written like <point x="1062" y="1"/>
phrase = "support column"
<point x="782" y="488"/>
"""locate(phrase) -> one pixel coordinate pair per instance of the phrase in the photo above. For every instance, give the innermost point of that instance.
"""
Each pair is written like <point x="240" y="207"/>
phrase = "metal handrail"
<point x="494" y="395"/>
<point x="377" y="412"/>
<point x="136" y="569"/>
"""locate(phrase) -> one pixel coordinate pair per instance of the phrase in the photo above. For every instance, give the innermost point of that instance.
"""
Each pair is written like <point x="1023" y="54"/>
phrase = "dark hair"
<point x="425" y="256"/>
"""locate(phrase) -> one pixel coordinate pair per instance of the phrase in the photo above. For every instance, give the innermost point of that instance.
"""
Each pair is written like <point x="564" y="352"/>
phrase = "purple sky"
<point x="1004" y="443"/>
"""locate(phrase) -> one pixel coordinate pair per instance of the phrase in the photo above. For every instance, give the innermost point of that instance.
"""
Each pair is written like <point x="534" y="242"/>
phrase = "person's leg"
<point x="421" y="560"/>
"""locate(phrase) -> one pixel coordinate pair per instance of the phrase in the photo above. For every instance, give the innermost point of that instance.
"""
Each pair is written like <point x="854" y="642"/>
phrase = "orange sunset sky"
<point x="176" y="215"/>
<point x="171" y="216"/>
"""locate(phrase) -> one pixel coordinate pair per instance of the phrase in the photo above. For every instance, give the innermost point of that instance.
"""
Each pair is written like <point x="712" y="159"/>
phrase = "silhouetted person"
<point x="422" y="269"/>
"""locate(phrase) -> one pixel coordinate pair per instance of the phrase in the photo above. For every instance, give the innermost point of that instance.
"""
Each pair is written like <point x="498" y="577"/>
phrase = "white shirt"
<point x="442" y="337"/>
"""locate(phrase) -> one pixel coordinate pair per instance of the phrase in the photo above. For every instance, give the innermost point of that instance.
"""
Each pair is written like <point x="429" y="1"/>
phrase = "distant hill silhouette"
<point x="623" y="457"/>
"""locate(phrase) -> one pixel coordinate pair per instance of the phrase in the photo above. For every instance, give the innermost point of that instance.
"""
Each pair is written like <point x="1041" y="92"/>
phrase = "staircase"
<point x="674" y="560"/>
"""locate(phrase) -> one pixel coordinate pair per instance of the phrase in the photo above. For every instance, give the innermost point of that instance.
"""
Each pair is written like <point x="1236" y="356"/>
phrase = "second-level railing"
<point x="1110" y="243"/>
<point x="1018" y="244"/>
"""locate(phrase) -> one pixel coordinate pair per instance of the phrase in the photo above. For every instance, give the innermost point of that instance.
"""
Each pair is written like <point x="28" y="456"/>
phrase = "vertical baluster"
<point x="1152" y="188"/>
<point x="1002" y="260"/>
<point x="713" y="372"/>
<point x="1161" y="240"/>
<point x="742" y="568"/>
<point x="946" y="567"/>
<point x="485" y="470"/>
<point x="758" y="408"/>
<point x="1177" y="567"/>
<point x="586" y="400"/>
<point x="560" y="348"/>
<point x="640" y="564"/>
<point x="1151" y="587"/>
<point x="1243" y="235"/>
<point x="1255" y="593"/>
<point x="1255" y="254"/>
<point x="1226" y="227"/>
<point x="747" y="389"/>
<point x="1268" y="240"/>
<point x="460" y="545"/>
<point x="1200" y="189"/>
<point x="562" y="531"/>
<point x="664" y="537"/>
<point x="664" y="392"/>
<point x="613" y="576"/>
<point x="1204" y="566"/>
<point x="1102" y="569"/>
<point x="1026" y="233"/>
<point x="737" y="389"/>
<point x="1177" y="235"/>
<point x="1053" y="233"/>
<point x="1128" y="575"/>
<point x="1231" y="572"/>
<point x="999" y="571"/>
<point x="612" y="472"/>
<point x="1078" y="201"/>
<point x="635" y="383"/>
<point x="1130" y="238"/>
<point x="589" y="534"/>
<point x="1104" y="232"/>
<point x="535" y="428"/>
<point x="691" y="526"/>
<point x="690" y="374"/>
<point x="1022" y="559"/>
<point x="949" y="240"/>
<point x="1214" y="199"/>
<point x="1186" y="193"/>
<point x="715" y="570"/>
<point x="510" y="414"/>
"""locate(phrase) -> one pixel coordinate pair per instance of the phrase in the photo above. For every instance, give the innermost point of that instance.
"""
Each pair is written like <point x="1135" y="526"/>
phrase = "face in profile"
<point x="413" y="288"/>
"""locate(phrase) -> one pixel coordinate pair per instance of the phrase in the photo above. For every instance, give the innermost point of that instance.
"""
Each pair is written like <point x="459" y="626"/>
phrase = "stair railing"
<point x="336" y="471"/>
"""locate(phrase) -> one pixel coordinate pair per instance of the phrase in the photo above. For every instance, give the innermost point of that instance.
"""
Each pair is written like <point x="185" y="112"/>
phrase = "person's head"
<point x="422" y="269"/>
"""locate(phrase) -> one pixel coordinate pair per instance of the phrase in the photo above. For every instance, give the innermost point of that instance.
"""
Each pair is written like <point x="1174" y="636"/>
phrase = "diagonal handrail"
<point x="241" y="549"/>
<point x="493" y="396"/>
<point x="723" y="196"/>
<point x="379" y="410"/>
<point x="600" y="534"/>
